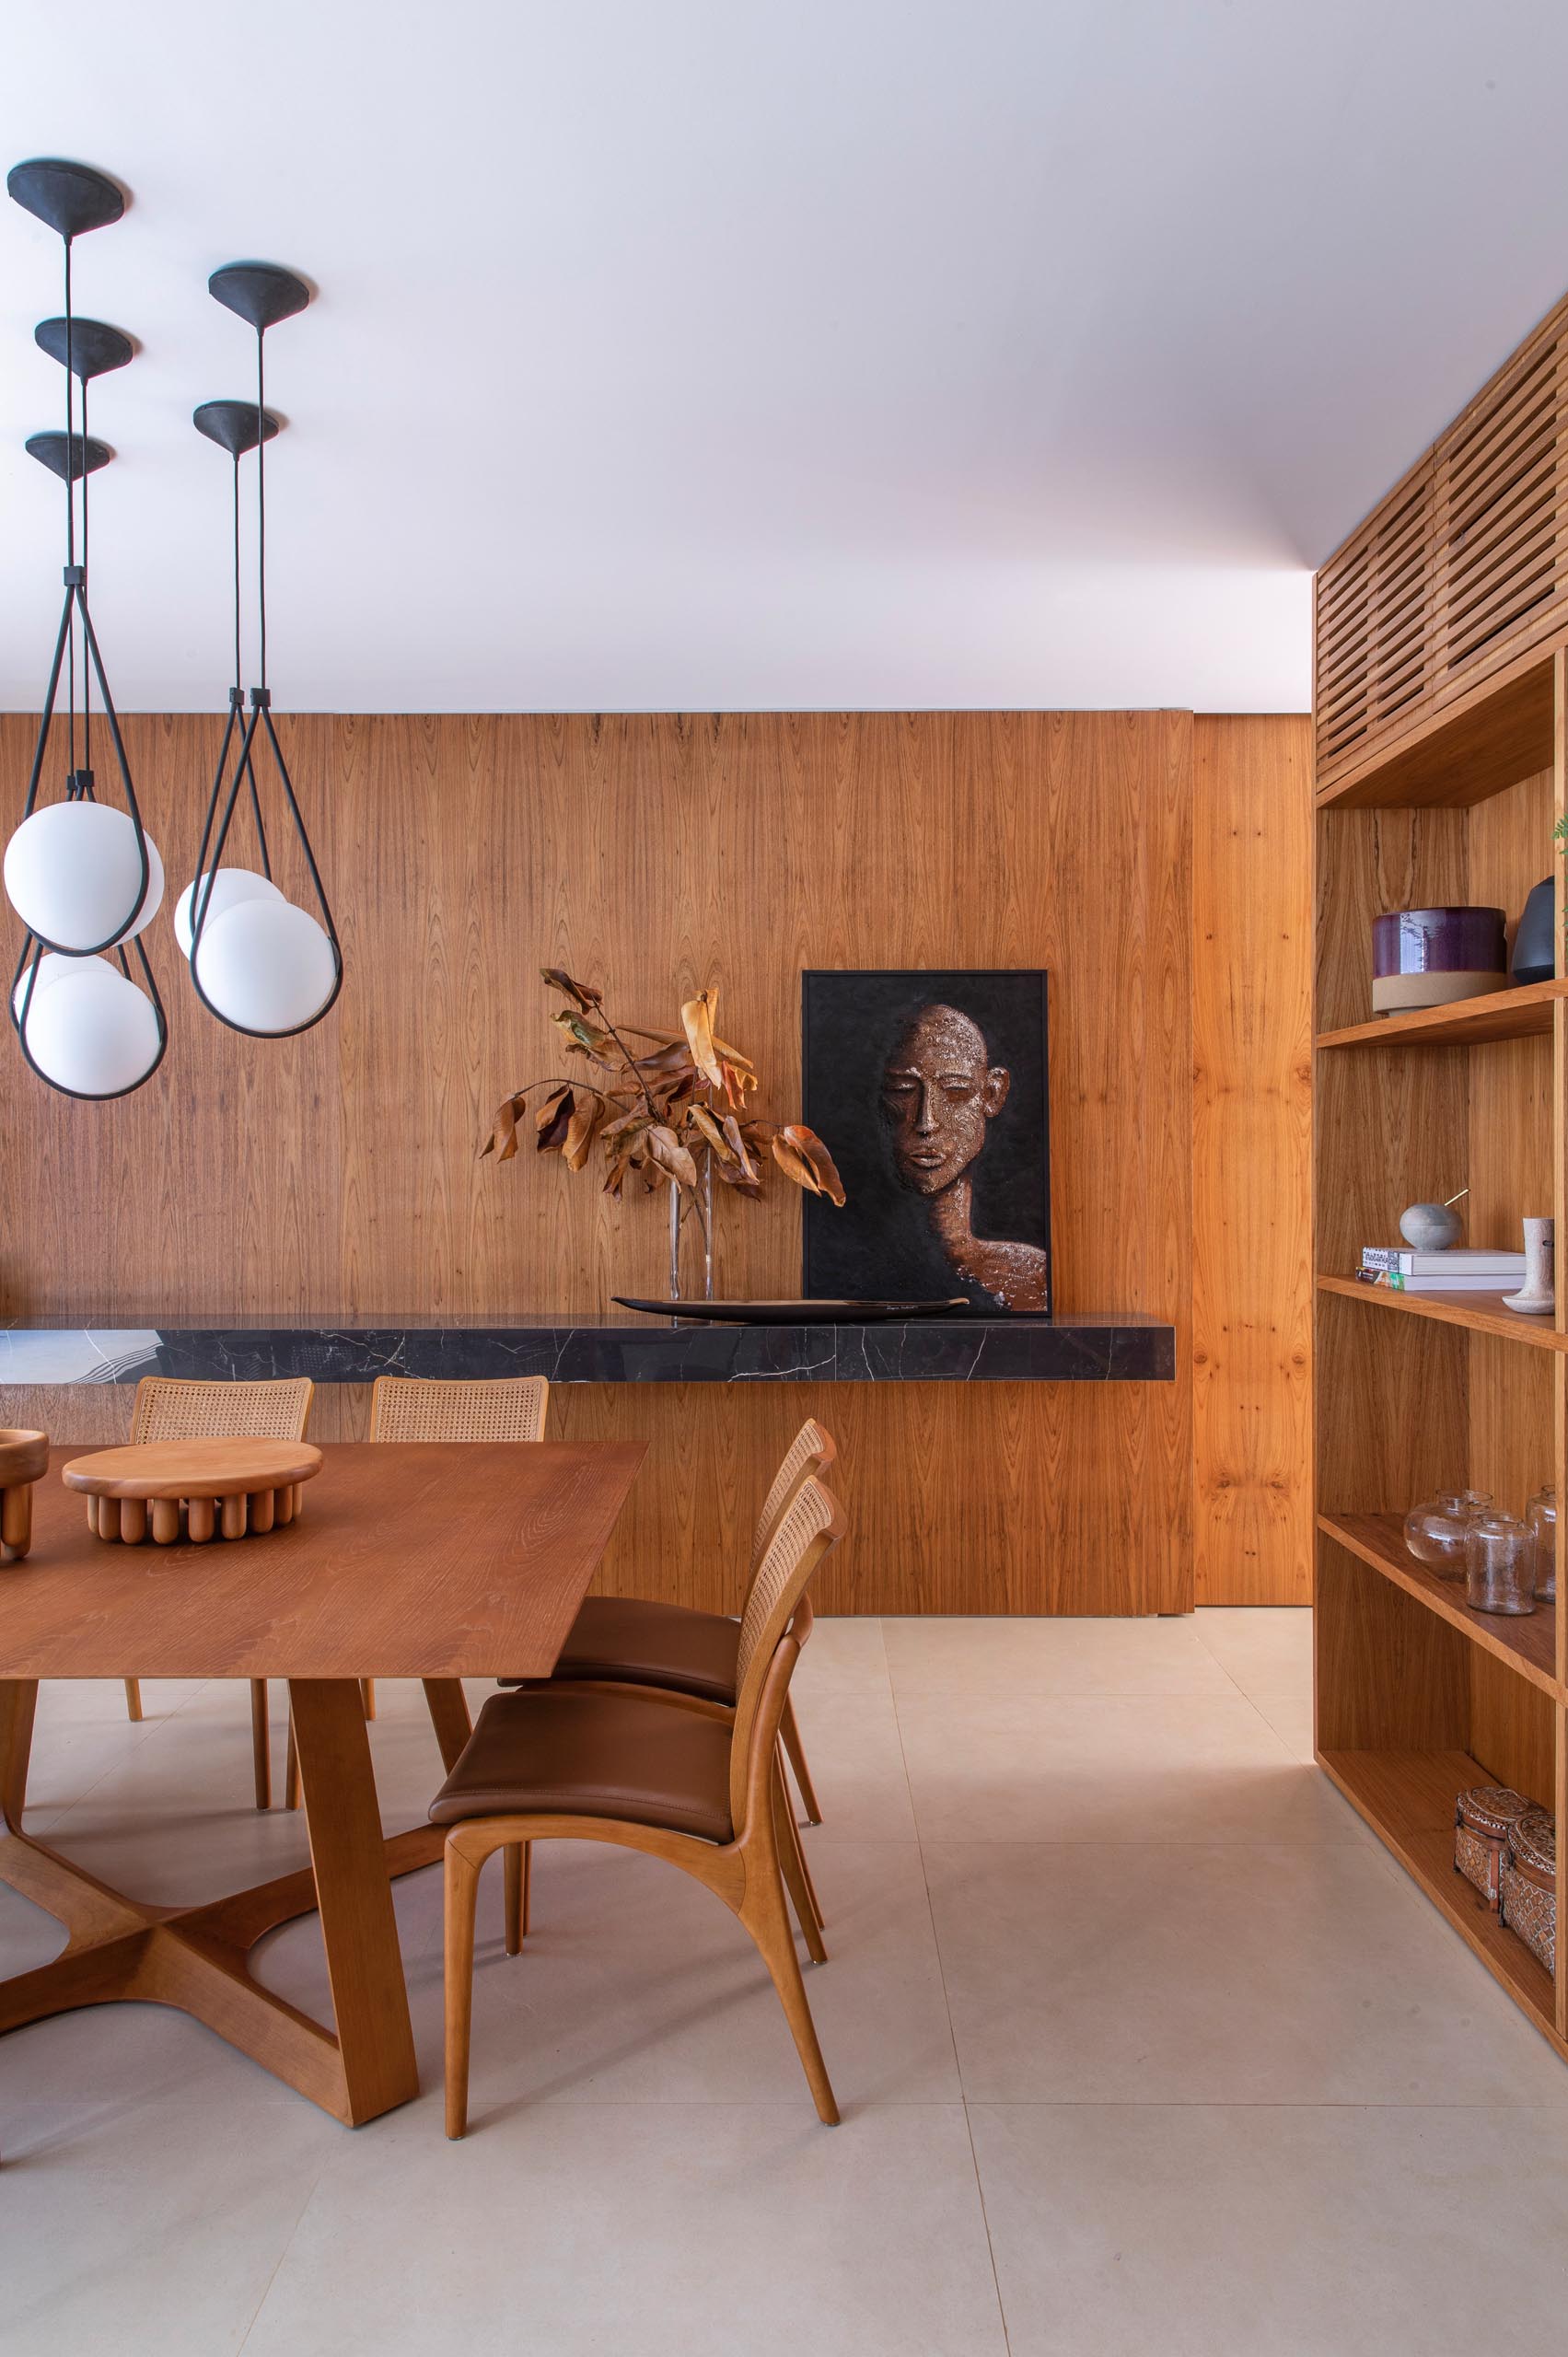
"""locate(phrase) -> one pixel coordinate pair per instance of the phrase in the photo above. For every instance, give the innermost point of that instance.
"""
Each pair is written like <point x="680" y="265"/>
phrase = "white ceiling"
<point x="692" y="355"/>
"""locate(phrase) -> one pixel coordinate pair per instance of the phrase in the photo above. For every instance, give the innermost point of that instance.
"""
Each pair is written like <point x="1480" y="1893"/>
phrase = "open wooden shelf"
<point x="1408" y="1799"/>
<point x="1440" y="716"/>
<point x="1479" y="744"/>
<point x="1527" y="1642"/>
<point x="1483" y="1312"/>
<point x="1500" y="1015"/>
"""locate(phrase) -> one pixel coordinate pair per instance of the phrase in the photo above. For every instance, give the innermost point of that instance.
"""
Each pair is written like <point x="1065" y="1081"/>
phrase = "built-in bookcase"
<point x="1417" y="1696"/>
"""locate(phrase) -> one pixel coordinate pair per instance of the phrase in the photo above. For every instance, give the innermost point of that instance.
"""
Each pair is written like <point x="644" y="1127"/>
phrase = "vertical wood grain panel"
<point x="1251" y="1160"/>
<point x="334" y="1176"/>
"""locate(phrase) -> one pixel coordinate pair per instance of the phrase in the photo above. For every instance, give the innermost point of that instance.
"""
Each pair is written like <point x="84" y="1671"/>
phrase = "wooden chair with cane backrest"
<point x="421" y="1408"/>
<point x="170" y="1409"/>
<point x="554" y="1762"/>
<point x="411" y="1407"/>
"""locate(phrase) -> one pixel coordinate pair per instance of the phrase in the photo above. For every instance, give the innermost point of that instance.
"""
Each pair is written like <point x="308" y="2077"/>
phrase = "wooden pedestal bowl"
<point x="24" y="1459"/>
<point x="192" y="1489"/>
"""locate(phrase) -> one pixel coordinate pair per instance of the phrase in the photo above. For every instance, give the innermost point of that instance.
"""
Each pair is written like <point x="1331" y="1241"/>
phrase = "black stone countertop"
<point x="620" y="1348"/>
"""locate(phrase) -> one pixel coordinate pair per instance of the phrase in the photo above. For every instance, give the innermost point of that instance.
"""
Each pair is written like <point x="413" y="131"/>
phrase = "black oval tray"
<point x="795" y="1313"/>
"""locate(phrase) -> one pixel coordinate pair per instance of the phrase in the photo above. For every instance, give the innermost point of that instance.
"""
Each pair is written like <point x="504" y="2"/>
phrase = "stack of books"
<point x="1461" y="1268"/>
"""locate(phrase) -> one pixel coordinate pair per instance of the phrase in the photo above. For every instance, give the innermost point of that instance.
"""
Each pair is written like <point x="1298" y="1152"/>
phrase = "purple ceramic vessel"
<point x="1439" y="941"/>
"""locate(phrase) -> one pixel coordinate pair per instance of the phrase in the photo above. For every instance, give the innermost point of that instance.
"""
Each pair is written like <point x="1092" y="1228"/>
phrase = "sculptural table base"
<point x="195" y="1957"/>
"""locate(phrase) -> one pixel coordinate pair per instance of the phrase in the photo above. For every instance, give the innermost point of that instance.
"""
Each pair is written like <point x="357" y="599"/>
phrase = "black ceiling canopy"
<point x="49" y="449"/>
<point x="94" y="347"/>
<point x="260" y="292"/>
<point x="71" y="197"/>
<point x="232" y="425"/>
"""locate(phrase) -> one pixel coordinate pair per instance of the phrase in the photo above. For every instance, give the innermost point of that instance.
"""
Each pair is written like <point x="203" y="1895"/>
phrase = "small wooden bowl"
<point x="24" y="1459"/>
<point x="234" y="1486"/>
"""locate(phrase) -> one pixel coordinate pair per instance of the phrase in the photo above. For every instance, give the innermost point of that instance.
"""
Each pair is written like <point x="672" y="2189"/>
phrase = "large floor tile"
<point x="1290" y="1714"/>
<point x="1110" y="1768"/>
<point x="843" y="1653"/>
<point x="636" y="1985"/>
<point x="855" y="1754"/>
<point x="127" y="2228"/>
<point x="1139" y="2231"/>
<point x="705" y="2230"/>
<point x="1000" y="1657"/>
<point x="1302" y="1973"/>
<point x="1261" y="1647"/>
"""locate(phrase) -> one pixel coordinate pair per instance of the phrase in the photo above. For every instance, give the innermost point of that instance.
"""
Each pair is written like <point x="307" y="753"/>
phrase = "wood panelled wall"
<point x="1252" y="1160"/>
<point x="333" y="1176"/>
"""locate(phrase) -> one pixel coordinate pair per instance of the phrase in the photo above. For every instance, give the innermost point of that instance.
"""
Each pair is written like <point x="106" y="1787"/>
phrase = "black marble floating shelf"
<point x="1082" y="1348"/>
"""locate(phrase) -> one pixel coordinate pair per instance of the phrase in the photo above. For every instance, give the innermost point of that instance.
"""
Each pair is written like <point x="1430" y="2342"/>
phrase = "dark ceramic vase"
<point x="1535" y="951"/>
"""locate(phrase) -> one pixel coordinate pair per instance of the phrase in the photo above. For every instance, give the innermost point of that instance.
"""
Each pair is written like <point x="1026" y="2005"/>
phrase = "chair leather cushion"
<point x="637" y="1643"/>
<point x="553" y="1751"/>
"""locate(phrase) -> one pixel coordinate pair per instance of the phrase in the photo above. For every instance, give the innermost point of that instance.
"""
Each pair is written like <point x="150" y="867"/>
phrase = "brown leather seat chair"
<point x="627" y="1641"/>
<point x="567" y="1763"/>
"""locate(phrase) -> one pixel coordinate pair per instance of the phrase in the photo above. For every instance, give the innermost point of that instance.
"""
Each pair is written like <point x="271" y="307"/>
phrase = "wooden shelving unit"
<point x="1416" y="1695"/>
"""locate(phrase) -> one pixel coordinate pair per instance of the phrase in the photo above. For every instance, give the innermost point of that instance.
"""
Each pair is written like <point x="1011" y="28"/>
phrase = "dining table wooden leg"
<point x="359" y="1929"/>
<point x="448" y="1708"/>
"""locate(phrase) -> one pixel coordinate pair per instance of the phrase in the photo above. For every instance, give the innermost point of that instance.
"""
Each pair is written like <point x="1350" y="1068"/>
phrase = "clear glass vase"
<point x="1436" y="1530"/>
<point x="1498" y="1576"/>
<point x="1541" y="1520"/>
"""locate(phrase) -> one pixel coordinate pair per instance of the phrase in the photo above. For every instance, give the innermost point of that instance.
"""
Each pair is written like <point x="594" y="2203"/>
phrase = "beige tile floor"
<point x="1143" y="2045"/>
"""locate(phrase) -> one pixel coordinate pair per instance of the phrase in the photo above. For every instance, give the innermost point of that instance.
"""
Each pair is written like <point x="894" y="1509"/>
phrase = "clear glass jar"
<point x="1436" y="1531"/>
<point x="1541" y="1520"/>
<point x="1498" y="1565"/>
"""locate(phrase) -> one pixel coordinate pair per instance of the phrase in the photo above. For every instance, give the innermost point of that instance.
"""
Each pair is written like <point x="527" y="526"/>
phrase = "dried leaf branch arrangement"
<point x="655" y="1112"/>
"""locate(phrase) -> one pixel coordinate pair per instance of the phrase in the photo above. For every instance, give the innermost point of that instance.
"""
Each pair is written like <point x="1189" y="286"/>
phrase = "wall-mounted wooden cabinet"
<point x="1454" y="584"/>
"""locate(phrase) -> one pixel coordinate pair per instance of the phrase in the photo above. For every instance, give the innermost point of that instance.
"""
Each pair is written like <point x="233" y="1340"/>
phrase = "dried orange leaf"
<point x="793" y="1165"/>
<point x="697" y="1018"/>
<point x="664" y="1149"/>
<point x="806" y="1143"/>
<point x="704" y="1120"/>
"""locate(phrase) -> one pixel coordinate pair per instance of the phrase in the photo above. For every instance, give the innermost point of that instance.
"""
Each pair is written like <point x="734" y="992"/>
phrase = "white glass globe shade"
<point x="266" y="965"/>
<point x="51" y="969"/>
<point x="230" y="886"/>
<point x="94" y="1032"/>
<point x="73" y="872"/>
<point x="153" y="901"/>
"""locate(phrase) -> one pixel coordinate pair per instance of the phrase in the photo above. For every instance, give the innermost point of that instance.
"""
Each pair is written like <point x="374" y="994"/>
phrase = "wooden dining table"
<point x="439" y="1561"/>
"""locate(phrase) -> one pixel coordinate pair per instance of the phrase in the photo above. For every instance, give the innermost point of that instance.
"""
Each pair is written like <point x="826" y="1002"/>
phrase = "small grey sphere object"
<point x="1430" y="1227"/>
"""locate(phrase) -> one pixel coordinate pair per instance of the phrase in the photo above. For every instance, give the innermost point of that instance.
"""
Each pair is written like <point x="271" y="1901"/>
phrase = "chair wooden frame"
<point x="171" y="1408"/>
<point x="749" y="1873"/>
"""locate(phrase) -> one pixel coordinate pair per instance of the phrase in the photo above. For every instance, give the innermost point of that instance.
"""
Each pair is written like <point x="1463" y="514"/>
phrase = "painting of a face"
<point x="939" y="1091"/>
<point x="934" y="1089"/>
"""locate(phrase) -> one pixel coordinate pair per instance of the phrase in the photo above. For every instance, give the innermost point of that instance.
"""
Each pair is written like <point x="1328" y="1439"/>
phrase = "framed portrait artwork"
<point x="932" y="1092"/>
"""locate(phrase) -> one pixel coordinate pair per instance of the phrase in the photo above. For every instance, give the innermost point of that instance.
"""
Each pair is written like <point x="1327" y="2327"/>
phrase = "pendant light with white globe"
<point x="261" y="963"/>
<point x="84" y="875"/>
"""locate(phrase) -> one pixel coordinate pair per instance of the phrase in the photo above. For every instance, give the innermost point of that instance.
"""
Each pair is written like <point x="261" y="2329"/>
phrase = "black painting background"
<point x="880" y="1245"/>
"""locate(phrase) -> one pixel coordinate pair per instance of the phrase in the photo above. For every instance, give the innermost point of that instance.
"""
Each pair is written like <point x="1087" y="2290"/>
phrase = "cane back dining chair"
<point x="559" y="1763"/>
<point x="629" y="1641"/>
<point x="169" y="1408"/>
<point x="421" y="1408"/>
